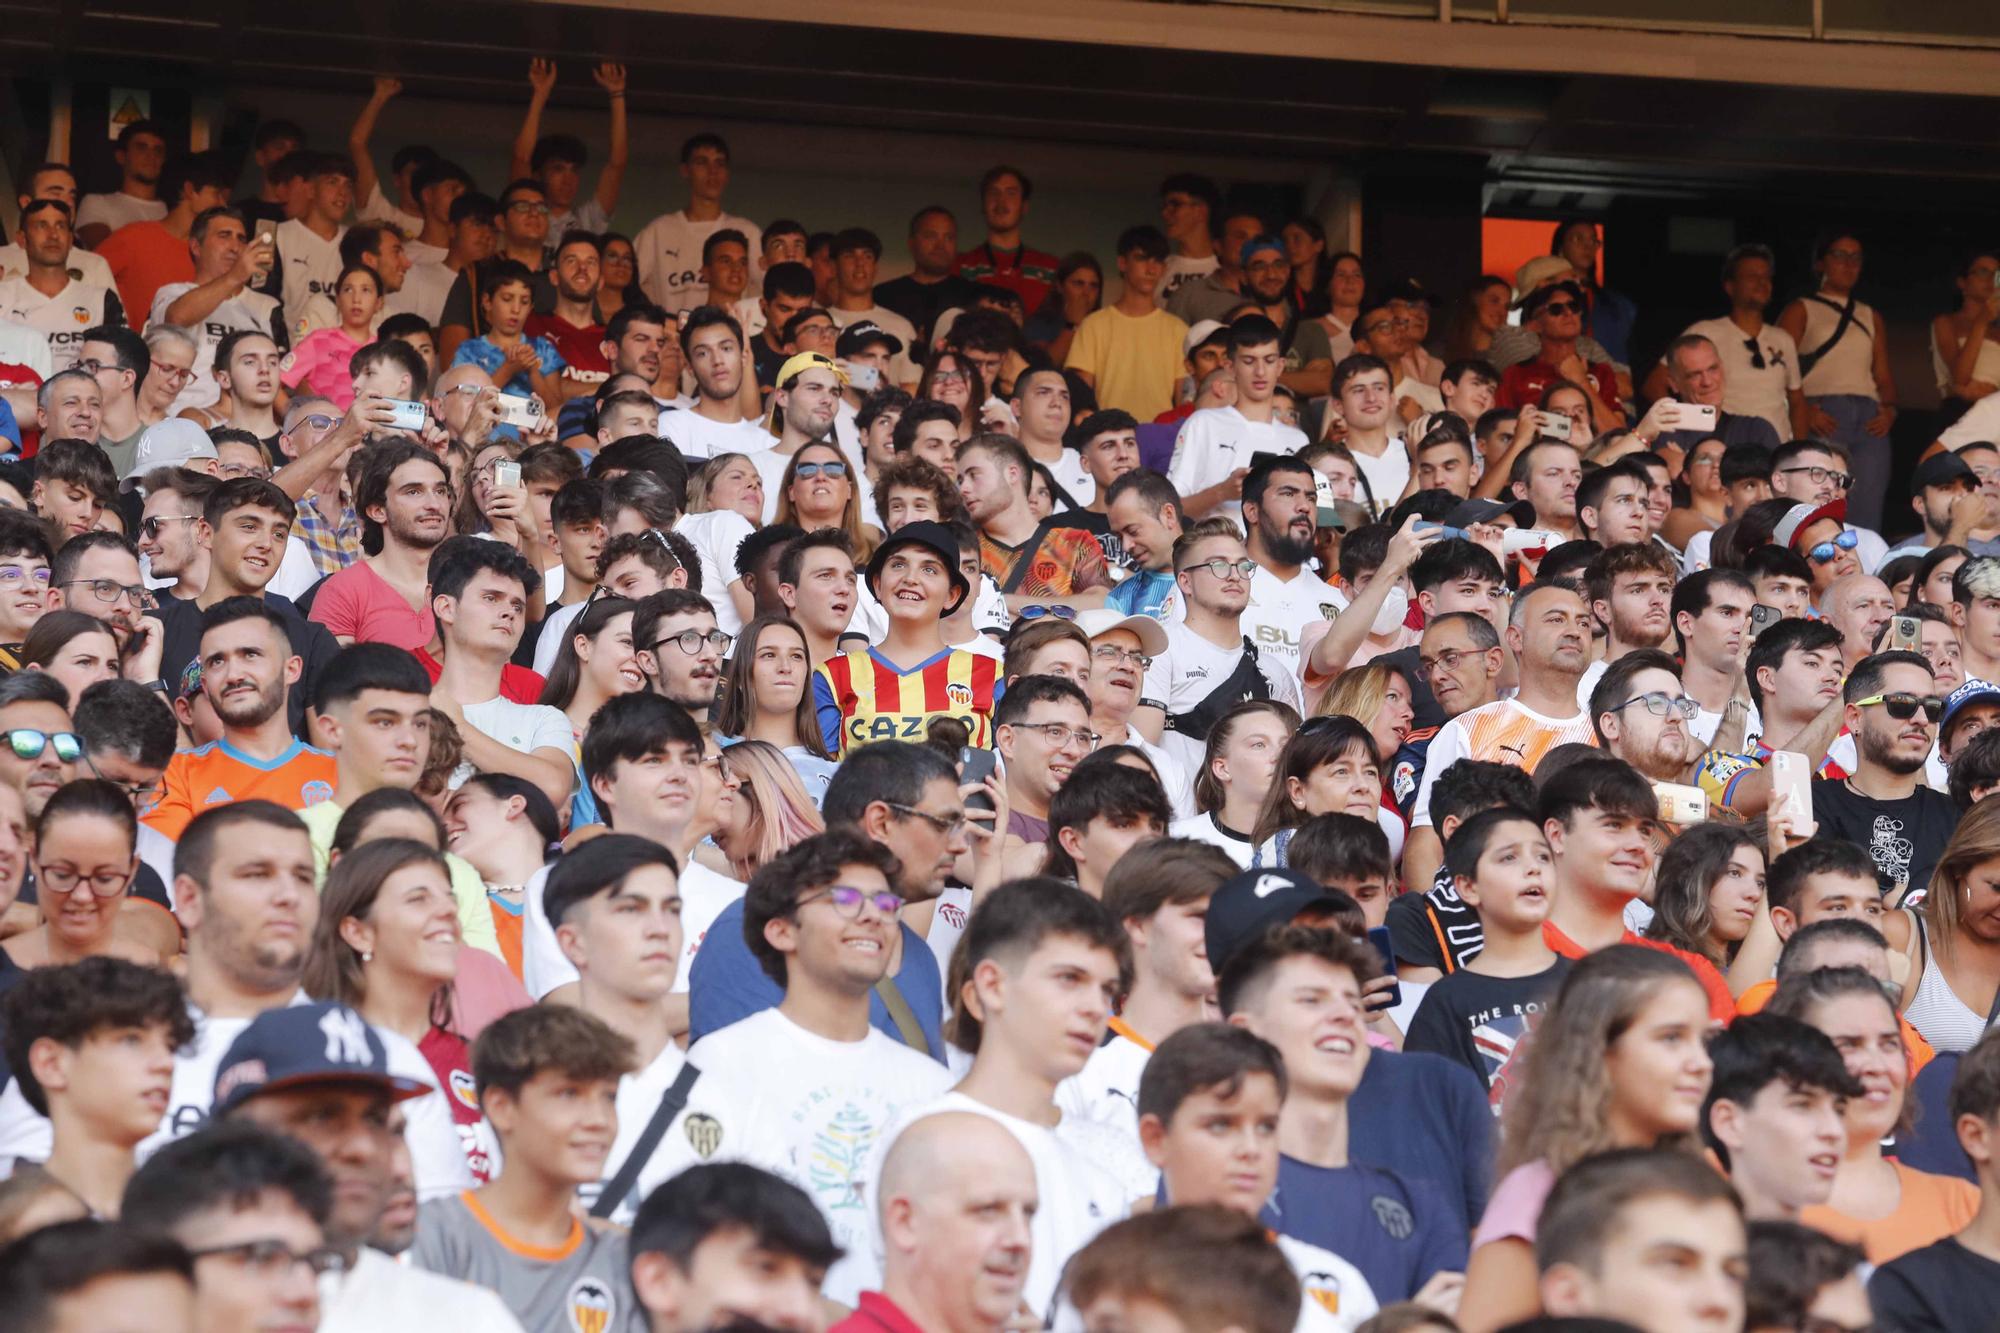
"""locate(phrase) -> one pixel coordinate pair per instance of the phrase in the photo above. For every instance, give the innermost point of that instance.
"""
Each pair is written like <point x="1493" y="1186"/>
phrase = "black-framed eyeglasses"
<point x="1818" y="475"/>
<point x="141" y="794"/>
<point x="273" y="1258"/>
<point x="150" y="527"/>
<point x="847" y="900"/>
<point x="1659" y="704"/>
<point x="110" y="591"/>
<point x="945" y="824"/>
<point x="690" y="641"/>
<point x="1903" y="706"/>
<point x="29" y="744"/>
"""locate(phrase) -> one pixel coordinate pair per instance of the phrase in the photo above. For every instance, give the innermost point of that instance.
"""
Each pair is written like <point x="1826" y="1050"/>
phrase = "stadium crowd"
<point x="577" y="782"/>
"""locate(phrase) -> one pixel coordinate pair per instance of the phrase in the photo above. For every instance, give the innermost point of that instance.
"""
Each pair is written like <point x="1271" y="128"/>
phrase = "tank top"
<point x="1848" y="367"/>
<point x="1986" y="370"/>
<point x="1946" y="1022"/>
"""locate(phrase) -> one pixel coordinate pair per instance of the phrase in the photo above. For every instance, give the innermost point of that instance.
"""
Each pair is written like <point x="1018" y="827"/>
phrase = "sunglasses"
<point x="1826" y="551"/>
<point x="1903" y="707"/>
<point x="29" y="744"/>
<point x="832" y="471"/>
<point x="1561" y="308"/>
<point x="151" y="526"/>
<point x="1037" y="612"/>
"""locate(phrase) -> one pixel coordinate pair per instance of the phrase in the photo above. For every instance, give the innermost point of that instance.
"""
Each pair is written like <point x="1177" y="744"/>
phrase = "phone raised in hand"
<point x="1389" y="999"/>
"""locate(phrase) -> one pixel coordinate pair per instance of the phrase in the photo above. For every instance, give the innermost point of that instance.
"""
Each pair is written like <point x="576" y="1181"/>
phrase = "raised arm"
<point x="363" y="129"/>
<point x="611" y="78"/>
<point x="542" y="80"/>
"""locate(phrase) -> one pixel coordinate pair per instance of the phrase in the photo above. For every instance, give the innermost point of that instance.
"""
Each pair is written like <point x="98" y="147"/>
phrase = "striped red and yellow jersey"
<point x="863" y="697"/>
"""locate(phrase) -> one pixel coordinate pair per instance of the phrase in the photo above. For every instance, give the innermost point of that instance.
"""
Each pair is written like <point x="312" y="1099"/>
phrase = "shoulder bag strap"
<point x="904" y="1017"/>
<point x="670" y="1106"/>
<point x="1807" y="360"/>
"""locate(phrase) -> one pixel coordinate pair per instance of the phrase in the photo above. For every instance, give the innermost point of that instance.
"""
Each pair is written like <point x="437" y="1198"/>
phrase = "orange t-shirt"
<point x="1931" y="1208"/>
<point x="144" y="257"/>
<point x="218" y="774"/>
<point x="1753" y="1001"/>
<point x="1721" y="1004"/>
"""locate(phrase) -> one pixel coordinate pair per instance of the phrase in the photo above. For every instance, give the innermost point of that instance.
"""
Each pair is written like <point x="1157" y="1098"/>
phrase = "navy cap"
<point x="1945" y="469"/>
<point x="1972" y="691"/>
<point x="303" y="1045"/>
<point x="1253" y="902"/>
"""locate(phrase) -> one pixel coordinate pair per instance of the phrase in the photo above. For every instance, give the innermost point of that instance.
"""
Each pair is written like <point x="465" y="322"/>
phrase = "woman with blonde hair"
<point x="1957" y="933"/>
<point x="1378" y="697"/>
<point x="727" y="481"/>
<point x="771" y="812"/>
<point x="818" y="490"/>
<point x="725" y="499"/>
<point x="1619" y="1061"/>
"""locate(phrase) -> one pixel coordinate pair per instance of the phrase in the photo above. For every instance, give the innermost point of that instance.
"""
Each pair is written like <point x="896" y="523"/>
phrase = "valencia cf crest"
<point x="1328" y="611"/>
<point x="1323" y="1287"/>
<point x="704" y="1134"/>
<point x="591" y="1306"/>
<point x="959" y="693"/>
<point x="81" y="314"/>
<point x="463" y="1088"/>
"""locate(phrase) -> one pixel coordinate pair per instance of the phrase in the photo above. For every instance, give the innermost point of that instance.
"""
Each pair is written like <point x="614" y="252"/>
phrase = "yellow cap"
<point x="804" y="361"/>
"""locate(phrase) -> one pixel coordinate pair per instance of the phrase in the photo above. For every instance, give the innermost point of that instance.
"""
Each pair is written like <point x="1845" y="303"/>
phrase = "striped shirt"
<point x="861" y="697"/>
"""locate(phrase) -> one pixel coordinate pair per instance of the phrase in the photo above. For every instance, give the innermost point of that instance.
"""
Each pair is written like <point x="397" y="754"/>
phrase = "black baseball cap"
<point x="857" y="337"/>
<point x="1253" y="902"/>
<point x="307" y="1045"/>
<point x="938" y="538"/>
<point x="1945" y="469"/>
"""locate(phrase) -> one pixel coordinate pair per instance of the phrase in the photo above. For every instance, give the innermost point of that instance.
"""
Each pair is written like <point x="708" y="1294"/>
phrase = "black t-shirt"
<point x="1424" y="704"/>
<point x="1478" y="1021"/>
<point x="1943" y="1287"/>
<point x="310" y="640"/>
<point x="1423" y="926"/>
<point x="1904" y="837"/>
<point x="922" y="302"/>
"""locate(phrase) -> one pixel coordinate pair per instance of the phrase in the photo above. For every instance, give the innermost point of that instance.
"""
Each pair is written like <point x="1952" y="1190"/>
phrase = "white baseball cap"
<point x="175" y="442"/>
<point x="1100" y="621"/>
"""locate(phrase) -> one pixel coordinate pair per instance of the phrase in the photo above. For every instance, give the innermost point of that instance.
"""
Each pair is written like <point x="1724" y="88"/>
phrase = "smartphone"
<point x="525" y="413"/>
<point x="1681" y="805"/>
<point x="1791" y="789"/>
<point x="1906" y="634"/>
<point x="975" y="765"/>
<point x="1762" y="617"/>
<point x="863" y="379"/>
<point x="1389" y="999"/>
<point x="1554" y="425"/>
<point x="408" y="415"/>
<point x="1697" y="416"/>
<point x="506" y="472"/>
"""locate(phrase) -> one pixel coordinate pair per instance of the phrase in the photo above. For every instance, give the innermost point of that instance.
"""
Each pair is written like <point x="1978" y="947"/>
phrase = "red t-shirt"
<point x="877" y="1314"/>
<point x="517" y="683"/>
<point x="582" y="348"/>
<point x="1721" y="1004"/>
<point x="1523" y="385"/>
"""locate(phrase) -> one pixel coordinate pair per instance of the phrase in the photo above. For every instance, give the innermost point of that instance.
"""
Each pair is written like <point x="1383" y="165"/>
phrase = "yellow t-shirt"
<point x="1134" y="361"/>
<point x="468" y="890"/>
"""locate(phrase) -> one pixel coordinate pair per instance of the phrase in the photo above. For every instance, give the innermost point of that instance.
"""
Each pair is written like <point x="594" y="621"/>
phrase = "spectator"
<point x="1893" y="714"/>
<point x="691" y="1271"/>
<point x="87" y="1272"/>
<point x="1774" y="1114"/>
<point x="1129" y="351"/>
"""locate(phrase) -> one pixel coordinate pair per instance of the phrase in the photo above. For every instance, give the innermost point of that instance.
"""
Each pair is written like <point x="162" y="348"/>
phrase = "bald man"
<point x="955" y="1198"/>
<point x="1857" y="605"/>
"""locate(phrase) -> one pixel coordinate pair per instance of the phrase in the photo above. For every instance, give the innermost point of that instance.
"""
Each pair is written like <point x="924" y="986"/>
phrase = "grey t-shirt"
<point x="583" y="1285"/>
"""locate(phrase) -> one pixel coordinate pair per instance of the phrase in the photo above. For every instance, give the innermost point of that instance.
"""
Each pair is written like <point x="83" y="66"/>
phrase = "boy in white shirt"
<point x="1215" y="445"/>
<point x="807" y="1089"/>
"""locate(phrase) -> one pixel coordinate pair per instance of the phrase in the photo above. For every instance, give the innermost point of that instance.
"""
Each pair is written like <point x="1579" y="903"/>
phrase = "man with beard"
<point x="98" y="574"/>
<point x="1548" y="629"/>
<point x="248" y="667"/>
<point x="1858" y="605"/>
<point x="712" y="343"/>
<point x="1884" y="806"/>
<point x="478" y="592"/>
<point x="1641" y="715"/>
<point x="45" y="297"/>
<point x="245" y="523"/>
<point x="572" y="324"/>
<point x="1216" y="446"/>
<point x="803" y="408"/>
<point x="1280" y="501"/>
<point x="1035" y="562"/>
<point x="404" y="499"/>
<point x="1547" y="475"/>
<point x="1630" y="587"/>
<point x="318" y="1073"/>
<point x="1946" y="495"/>
<point x="1611" y="504"/>
<point x="680" y="648"/>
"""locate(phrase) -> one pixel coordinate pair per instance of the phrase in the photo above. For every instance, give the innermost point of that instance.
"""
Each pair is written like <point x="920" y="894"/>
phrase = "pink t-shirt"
<point x="319" y="361"/>
<point x="1516" y="1205"/>
<point x="358" y="604"/>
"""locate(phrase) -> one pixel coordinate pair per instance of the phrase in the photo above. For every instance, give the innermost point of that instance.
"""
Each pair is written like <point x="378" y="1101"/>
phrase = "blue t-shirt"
<point x="1397" y="1232"/>
<point x="726" y="984"/>
<point x="489" y="357"/>
<point x="1428" y="1120"/>
<point x="1143" y="592"/>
